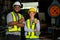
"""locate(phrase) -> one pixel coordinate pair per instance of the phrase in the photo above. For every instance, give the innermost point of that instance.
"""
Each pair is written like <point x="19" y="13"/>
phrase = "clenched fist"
<point x="35" y="20"/>
<point x="21" y="20"/>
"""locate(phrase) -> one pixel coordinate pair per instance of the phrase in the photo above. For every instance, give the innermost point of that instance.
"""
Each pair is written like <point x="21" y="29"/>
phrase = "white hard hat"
<point x="17" y="3"/>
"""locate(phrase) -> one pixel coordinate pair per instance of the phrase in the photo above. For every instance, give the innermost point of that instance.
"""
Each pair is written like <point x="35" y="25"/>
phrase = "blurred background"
<point x="47" y="12"/>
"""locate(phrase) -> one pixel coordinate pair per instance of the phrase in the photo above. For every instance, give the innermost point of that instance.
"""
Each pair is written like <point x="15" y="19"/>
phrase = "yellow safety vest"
<point x="30" y="34"/>
<point x="15" y="28"/>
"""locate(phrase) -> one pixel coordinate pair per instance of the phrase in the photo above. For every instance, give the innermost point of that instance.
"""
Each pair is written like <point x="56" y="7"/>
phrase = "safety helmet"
<point x="32" y="9"/>
<point x="17" y="3"/>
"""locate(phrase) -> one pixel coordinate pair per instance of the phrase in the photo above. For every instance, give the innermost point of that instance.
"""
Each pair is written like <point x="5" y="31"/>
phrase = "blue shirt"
<point x="30" y="30"/>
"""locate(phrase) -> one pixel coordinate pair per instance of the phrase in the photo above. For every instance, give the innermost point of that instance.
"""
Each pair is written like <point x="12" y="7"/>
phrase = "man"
<point x="32" y="26"/>
<point x="14" y="22"/>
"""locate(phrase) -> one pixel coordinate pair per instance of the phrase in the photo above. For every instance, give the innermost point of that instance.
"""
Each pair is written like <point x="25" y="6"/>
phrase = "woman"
<point x="32" y="26"/>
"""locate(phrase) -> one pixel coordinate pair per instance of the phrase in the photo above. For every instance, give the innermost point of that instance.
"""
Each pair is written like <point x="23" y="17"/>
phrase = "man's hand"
<point x="12" y="23"/>
<point x="21" y="20"/>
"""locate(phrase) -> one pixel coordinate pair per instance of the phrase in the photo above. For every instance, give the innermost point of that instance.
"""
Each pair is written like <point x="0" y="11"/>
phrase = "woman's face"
<point x="31" y="14"/>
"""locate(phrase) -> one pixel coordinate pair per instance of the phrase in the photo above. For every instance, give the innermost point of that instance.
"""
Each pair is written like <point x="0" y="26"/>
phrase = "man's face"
<point x="16" y="8"/>
<point x="31" y="14"/>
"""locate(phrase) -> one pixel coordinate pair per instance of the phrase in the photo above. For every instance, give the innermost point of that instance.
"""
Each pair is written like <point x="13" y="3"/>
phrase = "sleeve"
<point x="26" y="29"/>
<point x="9" y="18"/>
<point x="38" y="26"/>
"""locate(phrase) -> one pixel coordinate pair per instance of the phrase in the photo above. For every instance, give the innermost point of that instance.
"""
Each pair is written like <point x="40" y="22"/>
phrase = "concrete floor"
<point x="4" y="38"/>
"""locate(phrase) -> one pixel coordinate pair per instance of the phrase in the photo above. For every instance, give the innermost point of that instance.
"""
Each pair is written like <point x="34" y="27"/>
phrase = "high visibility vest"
<point x="15" y="28"/>
<point x="31" y="34"/>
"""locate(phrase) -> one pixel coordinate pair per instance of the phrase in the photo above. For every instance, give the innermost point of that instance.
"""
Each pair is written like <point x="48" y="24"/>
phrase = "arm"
<point x="16" y="23"/>
<point x="37" y="29"/>
<point x="10" y="21"/>
<point x="38" y="26"/>
<point x="21" y="22"/>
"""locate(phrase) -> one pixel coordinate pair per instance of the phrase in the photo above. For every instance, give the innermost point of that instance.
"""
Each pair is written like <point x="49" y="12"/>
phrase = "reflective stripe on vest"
<point x="15" y="28"/>
<point x="31" y="34"/>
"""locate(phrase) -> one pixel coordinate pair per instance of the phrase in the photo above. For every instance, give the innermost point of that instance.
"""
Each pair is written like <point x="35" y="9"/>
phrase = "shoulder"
<point x="37" y="20"/>
<point x="9" y="14"/>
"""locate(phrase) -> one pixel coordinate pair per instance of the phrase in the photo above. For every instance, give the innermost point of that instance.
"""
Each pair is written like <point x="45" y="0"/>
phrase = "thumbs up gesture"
<point x="35" y="20"/>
